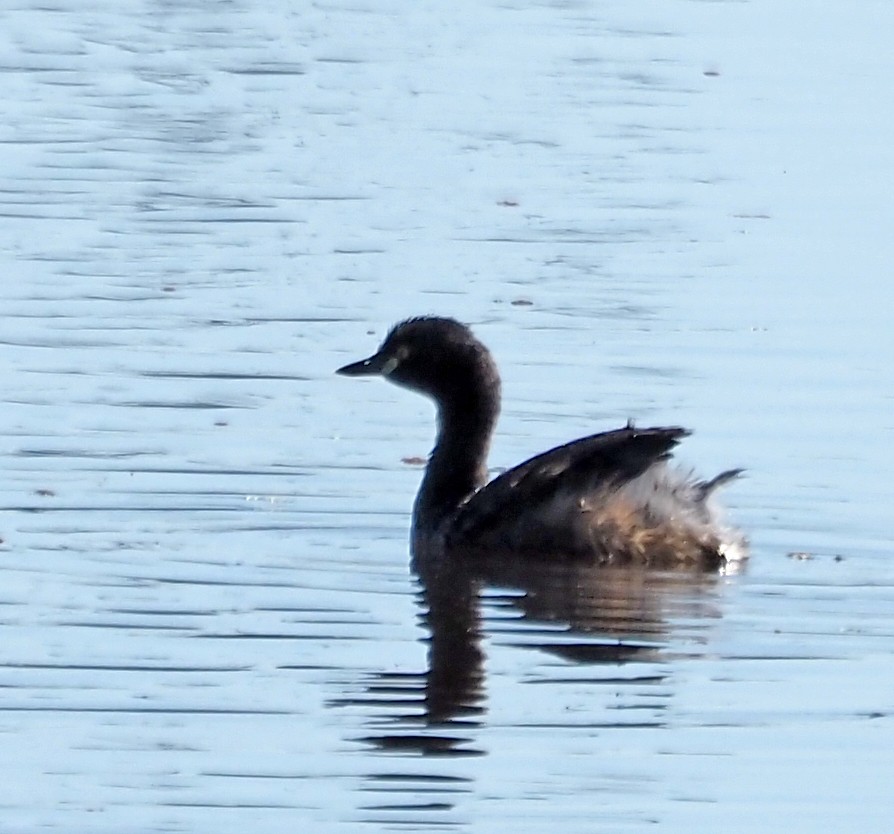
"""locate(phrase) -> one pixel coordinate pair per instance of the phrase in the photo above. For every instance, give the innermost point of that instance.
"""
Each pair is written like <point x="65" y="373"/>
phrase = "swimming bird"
<point x="609" y="498"/>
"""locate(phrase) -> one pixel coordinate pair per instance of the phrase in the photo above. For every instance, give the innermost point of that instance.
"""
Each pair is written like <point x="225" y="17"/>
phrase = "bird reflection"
<point x="451" y="612"/>
<point x="582" y="613"/>
<point x="433" y="712"/>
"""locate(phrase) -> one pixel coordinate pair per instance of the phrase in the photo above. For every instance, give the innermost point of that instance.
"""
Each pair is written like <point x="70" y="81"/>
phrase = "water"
<point x="676" y="212"/>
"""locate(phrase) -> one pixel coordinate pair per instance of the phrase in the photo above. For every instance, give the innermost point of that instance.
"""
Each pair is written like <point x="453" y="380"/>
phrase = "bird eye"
<point x="395" y="359"/>
<point x="390" y="365"/>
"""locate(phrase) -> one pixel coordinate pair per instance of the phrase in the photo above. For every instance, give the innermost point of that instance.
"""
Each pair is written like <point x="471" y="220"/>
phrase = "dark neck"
<point x="458" y="464"/>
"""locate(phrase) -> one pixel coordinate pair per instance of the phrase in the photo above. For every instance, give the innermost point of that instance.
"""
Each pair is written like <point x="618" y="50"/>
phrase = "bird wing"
<point x="533" y="490"/>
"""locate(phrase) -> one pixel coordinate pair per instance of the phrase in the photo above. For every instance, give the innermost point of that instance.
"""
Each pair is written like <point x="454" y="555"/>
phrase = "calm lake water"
<point x="678" y="212"/>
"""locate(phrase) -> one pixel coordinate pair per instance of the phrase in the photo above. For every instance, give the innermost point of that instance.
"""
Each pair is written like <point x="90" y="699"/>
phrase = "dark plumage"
<point x="608" y="498"/>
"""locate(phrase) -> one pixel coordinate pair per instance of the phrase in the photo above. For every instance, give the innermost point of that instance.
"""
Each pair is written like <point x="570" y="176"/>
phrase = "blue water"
<point x="672" y="212"/>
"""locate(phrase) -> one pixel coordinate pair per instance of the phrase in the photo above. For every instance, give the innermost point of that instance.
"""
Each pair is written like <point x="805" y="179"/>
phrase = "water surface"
<point x="676" y="213"/>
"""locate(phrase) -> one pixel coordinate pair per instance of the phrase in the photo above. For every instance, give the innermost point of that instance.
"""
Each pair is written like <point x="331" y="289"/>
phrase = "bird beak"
<point x="365" y="367"/>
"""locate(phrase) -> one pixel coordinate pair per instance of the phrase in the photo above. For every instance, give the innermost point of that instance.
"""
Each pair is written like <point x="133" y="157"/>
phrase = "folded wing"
<point x="547" y="503"/>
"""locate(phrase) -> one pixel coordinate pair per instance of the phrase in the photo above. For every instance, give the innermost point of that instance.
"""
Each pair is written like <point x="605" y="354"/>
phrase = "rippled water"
<point x="673" y="212"/>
